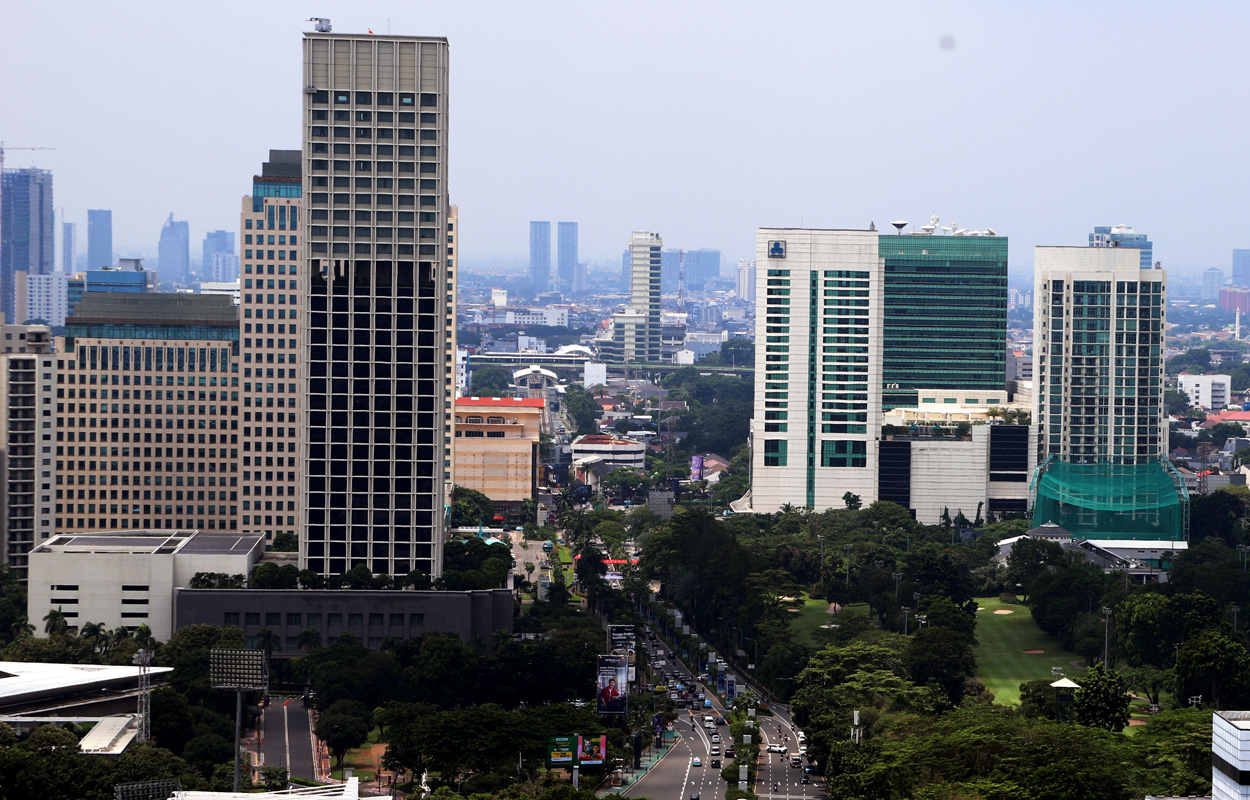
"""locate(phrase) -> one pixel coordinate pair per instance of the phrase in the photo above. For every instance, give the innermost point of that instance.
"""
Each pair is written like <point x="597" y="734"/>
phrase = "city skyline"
<point x="1030" y="180"/>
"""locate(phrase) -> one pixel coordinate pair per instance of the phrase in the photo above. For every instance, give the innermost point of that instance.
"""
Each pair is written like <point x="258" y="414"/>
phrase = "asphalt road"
<point x="675" y="777"/>
<point x="287" y="741"/>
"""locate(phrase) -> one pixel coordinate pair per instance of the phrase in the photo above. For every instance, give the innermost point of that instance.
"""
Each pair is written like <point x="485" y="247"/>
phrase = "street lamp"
<point x="906" y="620"/>
<point x="820" y="537"/>
<point x="847" y="548"/>
<point x="923" y="619"/>
<point x="1195" y="700"/>
<point x="1236" y="608"/>
<point x="898" y="576"/>
<point x="1106" y="628"/>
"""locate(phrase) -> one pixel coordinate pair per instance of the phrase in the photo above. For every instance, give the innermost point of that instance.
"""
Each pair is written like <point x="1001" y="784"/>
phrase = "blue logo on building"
<point x="777" y="249"/>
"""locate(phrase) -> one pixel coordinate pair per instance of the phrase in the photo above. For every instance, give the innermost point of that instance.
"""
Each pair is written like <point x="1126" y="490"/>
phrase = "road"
<point x="287" y="741"/>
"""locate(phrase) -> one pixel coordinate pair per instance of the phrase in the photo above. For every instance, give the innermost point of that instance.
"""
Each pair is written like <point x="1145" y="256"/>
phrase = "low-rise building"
<point x="497" y="441"/>
<point x="1210" y="392"/>
<point x="615" y="451"/>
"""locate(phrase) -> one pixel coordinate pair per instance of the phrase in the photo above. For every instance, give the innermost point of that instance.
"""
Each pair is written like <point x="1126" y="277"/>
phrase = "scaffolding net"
<point x="1112" y="501"/>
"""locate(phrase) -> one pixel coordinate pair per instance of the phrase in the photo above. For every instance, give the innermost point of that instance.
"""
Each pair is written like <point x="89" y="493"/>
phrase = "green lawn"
<point x="811" y="615"/>
<point x="1002" y="663"/>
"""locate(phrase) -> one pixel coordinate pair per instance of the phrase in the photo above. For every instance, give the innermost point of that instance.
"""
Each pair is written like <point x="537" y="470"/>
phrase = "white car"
<point x="716" y="738"/>
<point x="776" y="748"/>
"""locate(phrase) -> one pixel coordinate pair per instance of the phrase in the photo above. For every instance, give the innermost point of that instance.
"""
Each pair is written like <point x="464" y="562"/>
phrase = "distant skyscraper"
<point x="69" y="250"/>
<point x="566" y="255"/>
<point x="174" y="253"/>
<point x="28" y="233"/>
<point x="636" y="328"/>
<point x="1241" y="268"/>
<point x="702" y="267"/>
<point x="745" y="284"/>
<point x="1212" y="280"/>
<point x="215" y="242"/>
<point x="99" y="238"/>
<point x="579" y="278"/>
<point x="1123" y="236"/>
<point x="540" y="256"/>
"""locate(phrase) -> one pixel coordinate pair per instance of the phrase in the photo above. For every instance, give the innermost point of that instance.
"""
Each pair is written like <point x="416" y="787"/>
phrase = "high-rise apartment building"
<point x="818" y="367"/>
<point x="450" y="345"/>
<point x="375" y="302"/>
<point x="27" y="427"/>
<point x="147" y="431"/>
<point x="945" y="315"/>
<point x="28" y="233"/>
<point x="47" y="297"/>
<point x="99" y="238"/>
<point x="540" y="256"/>
<point x="635" y="335"/>
<point x="744" y="285"/>
<point x="1124" y="236"/>
<point x="215" y="242"/>
<point x="579" y="278"/>
<point x="1212" y="280"/>
<point x="69" y="246"/>
<point x="566" y="254"/>
<point x="269" y="300"/>
<point x="224" y="268"/>
<point x="174" y="250"/>
<point x="1241" y="268"/>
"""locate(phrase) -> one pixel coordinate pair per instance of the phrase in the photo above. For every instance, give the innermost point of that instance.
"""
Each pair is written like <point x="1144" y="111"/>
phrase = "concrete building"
<point x="1208" y="392"/>
<point x="99" y="238"/>
<point x="1241" y="268"/>
<point x="1124" y="236"/>
<point x="27" y="237"/>
<point x="215" y="242"/>
<point x="744" y="286"/>
<point x="69" y="247"/>
<point x="496" y="442"/>
<point x="1019" y="365"/>
<point x="635" y="333"/>
<point x="174" y="251"/>
<point x="270" y="480"/>
<point x="148" y="433"/>
<point x="615" y="452"/>
<point x="375" y="299"/>
<point x="128" y="277"/>
<point x="566" y="255"/>
<point x="1230" y="755"/>
<point x="702" y="267"/>
<point x="128" y="579"/>
<point x="817" y="423"/>
<point x="27" y="426"/>
<point x="556" y="317"/>
<point x="1235" y="298"/>
<point x="222" y="268"/>
<point x="47" y="297"/>
<point x="1212" y="281"/>
<point x="540" y="257"/>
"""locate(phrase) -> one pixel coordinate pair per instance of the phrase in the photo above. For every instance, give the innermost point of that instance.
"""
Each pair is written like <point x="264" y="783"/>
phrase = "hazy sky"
<point x="699" y="120"/>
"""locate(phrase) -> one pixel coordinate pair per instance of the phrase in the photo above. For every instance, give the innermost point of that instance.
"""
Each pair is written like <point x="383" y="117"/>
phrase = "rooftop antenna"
<point x="899" y="224"/>
<point x="323" y="24"/>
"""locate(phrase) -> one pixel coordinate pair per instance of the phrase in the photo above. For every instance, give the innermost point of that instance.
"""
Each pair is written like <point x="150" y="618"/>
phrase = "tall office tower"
<point x="376" y="302"/>
<point x="818" y="368"/>
<point x="215" y="242"/>
<point x="1241" y="268"/>
<point x="1099" y="342"/>
<point x="69" y="249"/>
<point x="626" y="270"/>
<point x="670" y="271"/>
<point x="27" y="385"/>
<point x="745" y="283"/>
<point x="636" y="328"/>
<point x="174" y="251"/>
<point x="579" y="278"/>
<point x="99" y="238"/>
<point x="27" y="231"/>
<point x="1123" y="236"/>
<point x="702" y="267"/>
<point x="540" y="257"/>
<point x="945" y="315"/>
<point x="270" y="219"/>
<point x="1212" y="280"/>
<point x="47" y="297"/>
<point x="566" y="254"/>
<point x="161" y="373"/>
<point x="450" y="387"/>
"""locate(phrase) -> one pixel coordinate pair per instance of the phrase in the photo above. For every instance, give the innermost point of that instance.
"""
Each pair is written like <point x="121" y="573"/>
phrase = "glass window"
<point x="314" y="620"/>
<point x="251" y="618"/>
<point x="775" y="452"/>
<point x="334" y="620"/>
<point x="355" y="620"/>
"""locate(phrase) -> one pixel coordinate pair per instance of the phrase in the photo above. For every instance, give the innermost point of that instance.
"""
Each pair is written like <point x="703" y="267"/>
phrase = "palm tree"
<point x="143" y="635"/>
<point x="92" y="632"/>
<point x="55" y="622"/>
<point x="268" y="641"/>
<point x="21" y="627"/>
<point x="309" y="639"/>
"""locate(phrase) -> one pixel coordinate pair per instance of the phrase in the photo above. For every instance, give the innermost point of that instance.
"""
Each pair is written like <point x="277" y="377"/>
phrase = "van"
<point x="709" y="718"/>
<point x="796" y="761"/>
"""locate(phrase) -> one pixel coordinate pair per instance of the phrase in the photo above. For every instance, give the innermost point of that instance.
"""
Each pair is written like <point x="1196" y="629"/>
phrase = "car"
<point x="716" y="738"/>
<point x="716" y="763"/>
<point x="805" y="780"/>
<point x="694" y="796"/>
<point x="715" y="750"/>
<point x="697" y="762"/>
<point x="776" y="748"/>
<point x="707" y="703"/>
<point x="721" y="721"/>
<point x="729" y="752"/>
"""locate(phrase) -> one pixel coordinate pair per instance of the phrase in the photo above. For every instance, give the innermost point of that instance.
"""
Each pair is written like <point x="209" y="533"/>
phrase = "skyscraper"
<point x="270" y="480"/>
<point x="1123" y="236"/>
<point x="1212" y="280"/>
<point x="745" y="283"/>
<point x="214" y="242"/>
<point x="375" y="300"/>
<point x="702" y="267"/>
<point x="945" y="315"/>
<point x="566" y="254"/>
<point x="540" y="256"/>
<point x="28" y="233"/>
<point x="99" y="238"/>
<point x="1241" y="268"/>
<point x="69" y="250"/>
<point x="1099" y="341"/>
<point x="174" y="252"/>
<point x="635" y="334"/>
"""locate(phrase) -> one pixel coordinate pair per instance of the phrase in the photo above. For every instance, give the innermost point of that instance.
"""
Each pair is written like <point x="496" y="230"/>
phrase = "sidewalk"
<point x="650" y="758"/>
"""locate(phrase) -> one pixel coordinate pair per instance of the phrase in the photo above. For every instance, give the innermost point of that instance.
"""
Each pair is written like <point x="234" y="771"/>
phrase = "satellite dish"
<point x="899" y="225"/>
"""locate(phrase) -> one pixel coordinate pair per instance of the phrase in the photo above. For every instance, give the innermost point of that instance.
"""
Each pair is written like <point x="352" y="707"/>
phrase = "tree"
<point x="1175" y="401"/>
<point x="1029" y="558"/>
<point x="1103" y="700"/>
<point x="622" y="483"/>
<point x="852" y="501"/>
<point x="309" y="640"/>
<point x="55" y="622"/>
<point x="582" y="408"/>
<point x="943" y="657"/>
<point x="490" y="382"/>
<point x="268" y="641"/>
<point x="470" y="508"/>
<point x="275" y="779"/>
<point x="285" y="542"/>
<point x="1210" y="664"/>
<point x="341" y="732"/>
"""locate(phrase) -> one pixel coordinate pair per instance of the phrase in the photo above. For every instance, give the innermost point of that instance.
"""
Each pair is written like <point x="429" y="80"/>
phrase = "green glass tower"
<point x="945" y="315"/>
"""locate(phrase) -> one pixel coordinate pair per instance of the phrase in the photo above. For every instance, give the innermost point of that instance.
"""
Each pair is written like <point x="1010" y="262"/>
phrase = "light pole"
<point x="820" y="537"/>
<point x="923" y="620"/>
<point x="1106" y="629"/>
<point x="1243" y="549"/>
<point x="1236" y="608"/>
<point x="1195" y="700"/>
<point x="898" y="576"/>
<point x="906" y="620"/>
<point x="847" y="548"/>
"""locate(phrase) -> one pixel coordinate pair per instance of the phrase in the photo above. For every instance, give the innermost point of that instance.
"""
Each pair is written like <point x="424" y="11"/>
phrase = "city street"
<point x="287" y="740"/>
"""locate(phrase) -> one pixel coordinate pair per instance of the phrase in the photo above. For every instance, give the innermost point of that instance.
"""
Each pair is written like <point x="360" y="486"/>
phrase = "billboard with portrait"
<point x="613" y="685"/>
<point x="591" y="750"/>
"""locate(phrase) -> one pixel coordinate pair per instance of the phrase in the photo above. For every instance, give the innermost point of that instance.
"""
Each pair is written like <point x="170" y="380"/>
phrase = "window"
<point x="293" y="619"/>
<point x="416" y="620"/>
<point x="375" y="620"/>
<point x="251" y="618"/>
<point x="230" y="618"/>
<point x="775" y="452"/>
<point x="397" y="620"/>
<point x="355" y="620"/>
<point x="843" y="453"/>
<point x="272" y="618"/>
<point x="314" y="620"/>
<point x="334" y="620"/>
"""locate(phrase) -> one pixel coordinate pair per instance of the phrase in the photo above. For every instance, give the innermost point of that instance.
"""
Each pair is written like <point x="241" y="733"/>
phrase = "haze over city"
<point x="701" y="120"/>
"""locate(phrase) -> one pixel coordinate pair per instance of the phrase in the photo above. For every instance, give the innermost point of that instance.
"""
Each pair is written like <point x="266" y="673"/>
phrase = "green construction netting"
<point x="1112" y="501"/>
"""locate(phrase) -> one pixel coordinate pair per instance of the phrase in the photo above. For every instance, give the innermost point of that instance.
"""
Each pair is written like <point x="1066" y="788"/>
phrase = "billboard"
<point x="613" y="684"/>
<point x="621" y="636"/>
<point x="560" y="750"/>
<point x="730" y="689"/>
<point x="696" y="468"/>
<point x="591" y="750"/>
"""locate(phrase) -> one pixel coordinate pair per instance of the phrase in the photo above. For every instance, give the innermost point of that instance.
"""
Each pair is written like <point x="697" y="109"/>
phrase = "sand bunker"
<point x="1034" y="652"/>
<point x="1003" y="611"/>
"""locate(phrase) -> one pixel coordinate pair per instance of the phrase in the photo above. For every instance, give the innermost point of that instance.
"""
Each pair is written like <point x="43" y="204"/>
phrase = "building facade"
<point x="566" y="255"/>
<point x="744" y="286"/>
<point x="174" y="250"/>
<point x="69" y="246"/>
<point x="1241" y="268"/>
<point x="613" y="450"/>
<point x="1212" y="282"/>
<point x="28" y="233"/>
<point x="128" y="277"/>
<point x="540" y="256"/>
<point x="27" y="427"/>
<point x="99" y="238"/>
<point x="818" y="368"/>
<point x="496" y="441"/>
<point x="1209" y="392"/>
<point x="702" y="267"/>
<point x="1124" y="236"/>
<point x="270" y="230"/>
<point x="635" y="334"/>
<point x="375" y="300"/>
<point x="147" y="434"/>
<point x="214" y="242"/>
<point x="47" y="297"/>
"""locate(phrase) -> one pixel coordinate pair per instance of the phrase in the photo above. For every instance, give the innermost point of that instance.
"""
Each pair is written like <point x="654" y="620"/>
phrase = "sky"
<point x="700" y="120"/>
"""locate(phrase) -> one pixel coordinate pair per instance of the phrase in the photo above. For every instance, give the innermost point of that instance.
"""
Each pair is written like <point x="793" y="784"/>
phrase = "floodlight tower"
<point x="143" y="659"/>
<point x="240" y="671"/>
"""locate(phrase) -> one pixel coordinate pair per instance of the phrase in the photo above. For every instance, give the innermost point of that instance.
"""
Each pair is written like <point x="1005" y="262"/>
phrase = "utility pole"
<point x="898" y="576"/>
<point x="821" y="538"/>
<point x="1106" y="635"/>
<point x="847" y="548"/>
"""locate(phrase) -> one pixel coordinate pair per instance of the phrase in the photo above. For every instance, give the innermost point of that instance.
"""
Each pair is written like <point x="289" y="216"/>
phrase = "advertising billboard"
<point x="591" y="750"/>
<point x="613" y="684"/>
<point x="560" y="750"/>
<point x="621" y="636"/>
<point x="696" y="468"/>
<point x="730" y="689"/>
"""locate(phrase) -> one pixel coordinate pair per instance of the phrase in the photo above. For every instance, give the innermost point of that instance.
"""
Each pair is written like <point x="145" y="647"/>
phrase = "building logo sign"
<point x="777" y="248"/>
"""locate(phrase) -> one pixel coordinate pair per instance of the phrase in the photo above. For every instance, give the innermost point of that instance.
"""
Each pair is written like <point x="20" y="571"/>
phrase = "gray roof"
<point x="156" y="308"/>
